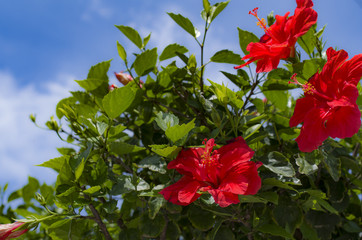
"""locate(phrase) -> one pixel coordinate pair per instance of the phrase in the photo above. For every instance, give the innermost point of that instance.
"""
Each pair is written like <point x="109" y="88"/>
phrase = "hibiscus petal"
<point x="313" y="131"/>
<point x="187" y="162"/>
<point x="224" y="199"/>
<point x="233" y="154"/>
<point x="234" y="182"/>
<point x="345" y="122"/>
<point x="302" y="107"/>
<point x="182" y="192"/>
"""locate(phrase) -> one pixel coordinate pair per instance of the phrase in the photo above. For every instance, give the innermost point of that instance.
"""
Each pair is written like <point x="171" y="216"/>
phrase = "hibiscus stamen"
<point x="261" y="22"/>
<point x="308" y="88"/>
<point x="208" y="158"/>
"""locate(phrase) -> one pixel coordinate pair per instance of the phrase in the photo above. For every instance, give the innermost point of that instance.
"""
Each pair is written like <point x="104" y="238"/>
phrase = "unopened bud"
<point x="112" y="87"/>
<point x="123" y="78"/>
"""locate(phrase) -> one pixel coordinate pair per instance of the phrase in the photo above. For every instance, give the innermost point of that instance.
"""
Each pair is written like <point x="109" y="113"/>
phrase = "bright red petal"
<point x="232" y="154"/>
<point x="234" y="182"/>
<point x="182" y="192"/>
<point x="187" y="162"/>
<point x="345" y="122"/>
<point x="313" y="131"/>
<point x="302" y="107"/>
<point x="224" y="199"/>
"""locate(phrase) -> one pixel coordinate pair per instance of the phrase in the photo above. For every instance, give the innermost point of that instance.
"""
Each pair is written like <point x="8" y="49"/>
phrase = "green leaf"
<point x="170" y="51"/>
<point x="241" y="80"/>
<point x="131" y="34"/>
<point x="185" y="23"/>
<point x="278" y="98"/>
<point x="245" y="38"/>
<point x="29" y="190"/>
<point x="145" y="40"/>
<point x="177" y="132"/>
<point x="79" y="171"/>
<point x="121" y="52"/>
<point x="279" y="164"/>
<point x="165" y="151"/>
<point x="154" y="163"/>
<point x="90" y="83"/>
<point x="277" y="183"/>
<point x="97" y="76"/>
<point x="326" y="223"/>
<point x="125" y="184"/>
<point x="308" y="231"/>
<point x="61" y="103"/>
<point x="55" y="163"/>
<point x="145" y="62"/>
<point x="275" y="230"/>
<point x="251" y="199"/>
<point x="226" y="56"/>
<point x="271" y="18"/>
<point x="218" y="8"/>
<point x="166" y="120"/>
<point x="288" y="214"/>
<point x="92" y="190"/>
<point x="121" y="148"/>
<point x="224" y="233"/>
<point x="200" y="219"/>
<point x="151" y="228"/>
<point x="305" y="167"/>
<point x="154" y="206"/>
<point x="333" y="164"/>
<point x="118" y="101"/>
<point x="307" y="41"/>
<point x="206" y="5"/>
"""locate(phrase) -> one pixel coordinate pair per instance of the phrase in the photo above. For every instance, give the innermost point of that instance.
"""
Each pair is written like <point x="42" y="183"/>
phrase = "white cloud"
<point x="96" y="7"/>
<point x="22" y="145"/>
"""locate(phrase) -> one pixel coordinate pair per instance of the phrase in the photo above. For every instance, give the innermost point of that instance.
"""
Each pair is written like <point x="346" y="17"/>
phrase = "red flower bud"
<point x="8" y="231"/>
<point x="123" y="78"/>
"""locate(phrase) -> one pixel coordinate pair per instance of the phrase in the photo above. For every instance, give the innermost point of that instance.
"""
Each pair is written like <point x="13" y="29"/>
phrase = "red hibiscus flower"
<point x="280" y="38"/>
<point x="8" y="231"/>
<point x="224" y="173"/>
<point x="329" y="107"/>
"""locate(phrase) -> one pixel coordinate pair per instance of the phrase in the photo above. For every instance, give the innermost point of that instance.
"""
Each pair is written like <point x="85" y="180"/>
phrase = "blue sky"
<point x="45" y="45"/>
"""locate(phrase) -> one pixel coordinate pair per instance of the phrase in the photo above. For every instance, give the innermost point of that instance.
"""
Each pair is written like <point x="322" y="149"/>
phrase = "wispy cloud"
<point x="22" y="145"/>
<point x="96" y="8"/>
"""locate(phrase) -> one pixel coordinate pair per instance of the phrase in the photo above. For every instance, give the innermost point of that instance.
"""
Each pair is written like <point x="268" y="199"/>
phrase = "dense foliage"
<point x="123" y="138"/>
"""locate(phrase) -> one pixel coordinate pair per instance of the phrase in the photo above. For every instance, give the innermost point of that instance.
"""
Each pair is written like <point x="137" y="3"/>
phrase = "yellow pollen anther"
<point x="308" y="88"/>
<point x="261" y="22"/>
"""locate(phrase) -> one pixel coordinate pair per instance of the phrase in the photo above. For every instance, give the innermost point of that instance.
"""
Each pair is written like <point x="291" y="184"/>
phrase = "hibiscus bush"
<point x="273" y="152"/>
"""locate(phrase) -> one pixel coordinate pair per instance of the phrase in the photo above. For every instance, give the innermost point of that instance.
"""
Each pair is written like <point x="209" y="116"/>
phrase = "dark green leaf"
<point x="275" y="230"/>
<point x="305" y="167"/>
<point x="200" y="218"/>
<point x="224" y="233"/>
<point x="279" y="164"/>
<point x="154" y="206"/>
<point x="152" y="228"/>
<point x="154" y="163"/>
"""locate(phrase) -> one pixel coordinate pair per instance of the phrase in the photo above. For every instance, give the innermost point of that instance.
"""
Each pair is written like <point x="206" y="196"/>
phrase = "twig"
<point x="120" y="162"/>
<point x="100" y="223"/>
